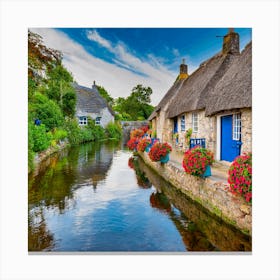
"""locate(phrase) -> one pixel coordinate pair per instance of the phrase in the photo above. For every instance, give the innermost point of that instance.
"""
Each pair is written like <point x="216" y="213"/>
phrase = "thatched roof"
<point x="89" y="100"/>
<point x="223" y="82"/>
<point x="206" y="76"/>
<point x="171" y="93"/>
<point x="234" y="89"/>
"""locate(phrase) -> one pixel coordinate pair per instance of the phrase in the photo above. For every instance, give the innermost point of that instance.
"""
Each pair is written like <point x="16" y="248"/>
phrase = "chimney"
<point x="183" y="70"/>
<point x="231" y="42"/>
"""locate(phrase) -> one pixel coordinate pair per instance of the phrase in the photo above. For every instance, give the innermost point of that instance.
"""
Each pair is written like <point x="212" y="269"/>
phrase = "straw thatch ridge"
<point x="234" y="89"/>
<point x="89" y="100"/>
<point x="196" y="86"/>
<point x="171" y="93"/>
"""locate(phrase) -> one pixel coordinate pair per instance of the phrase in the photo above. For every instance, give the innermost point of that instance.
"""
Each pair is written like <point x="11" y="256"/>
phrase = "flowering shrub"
<point x="136" y="133"/>
<point x="143" y="144"/>
<point x="145" y="128"/>
<point x="240" y="176"/>
<point x="132" y="143"/>
<point x="196" y="159"/>
<point x="159" y="150"/>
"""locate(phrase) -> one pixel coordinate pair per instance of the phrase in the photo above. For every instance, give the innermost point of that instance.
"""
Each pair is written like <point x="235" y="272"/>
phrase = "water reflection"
<point x="96" y="197"/>
<point x="200" y="230"/>
<point x="142" y="180"/>
<point x="52" y="186"/>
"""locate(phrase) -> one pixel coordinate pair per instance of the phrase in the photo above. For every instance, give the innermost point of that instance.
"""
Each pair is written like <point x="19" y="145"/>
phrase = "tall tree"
<point x="47" y="75"/>
<point x="136" y="106"/>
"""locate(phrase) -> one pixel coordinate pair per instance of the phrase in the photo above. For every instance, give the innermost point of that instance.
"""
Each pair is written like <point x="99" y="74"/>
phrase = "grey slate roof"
<point x="89" y="100"/>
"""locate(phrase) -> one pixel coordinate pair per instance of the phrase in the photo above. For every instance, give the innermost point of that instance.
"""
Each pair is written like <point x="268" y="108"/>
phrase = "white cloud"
<point x="94" y="36"/>
<point x="116" y="80"/>
<point x="175" y="52"/>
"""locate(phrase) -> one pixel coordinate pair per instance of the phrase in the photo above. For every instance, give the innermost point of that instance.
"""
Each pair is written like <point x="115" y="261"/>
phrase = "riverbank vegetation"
<point x="52" y="103"/>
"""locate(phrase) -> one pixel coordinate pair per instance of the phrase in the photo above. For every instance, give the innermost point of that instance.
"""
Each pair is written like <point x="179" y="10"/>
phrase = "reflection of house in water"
<point x="94" y="162"/>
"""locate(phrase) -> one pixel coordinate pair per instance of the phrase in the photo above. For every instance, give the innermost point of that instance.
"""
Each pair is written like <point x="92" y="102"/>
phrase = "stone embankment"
<point x="212" y="193"/>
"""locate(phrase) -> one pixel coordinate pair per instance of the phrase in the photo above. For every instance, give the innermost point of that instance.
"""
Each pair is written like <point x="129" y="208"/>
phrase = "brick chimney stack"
<point x="231" y="42"/>
<point x="183" y="70"/>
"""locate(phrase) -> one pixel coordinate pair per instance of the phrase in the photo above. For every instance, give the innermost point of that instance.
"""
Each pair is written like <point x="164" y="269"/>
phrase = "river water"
<point x="96" y="197"/>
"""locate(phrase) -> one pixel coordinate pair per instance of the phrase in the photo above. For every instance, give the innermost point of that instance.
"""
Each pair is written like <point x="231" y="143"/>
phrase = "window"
<point x="97" y="120"/>
<point x="183" y="127"/>
<point x="236" y="133"/>
<point x="195" y="122"/>
<point x="82" y="120"/>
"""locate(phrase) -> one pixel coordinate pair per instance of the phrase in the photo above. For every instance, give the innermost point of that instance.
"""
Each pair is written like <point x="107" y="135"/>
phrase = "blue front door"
<point x="230" y="148"/>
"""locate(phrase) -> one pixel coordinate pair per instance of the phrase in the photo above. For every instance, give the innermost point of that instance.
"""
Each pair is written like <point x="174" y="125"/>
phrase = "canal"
<point x="97" y="197"/>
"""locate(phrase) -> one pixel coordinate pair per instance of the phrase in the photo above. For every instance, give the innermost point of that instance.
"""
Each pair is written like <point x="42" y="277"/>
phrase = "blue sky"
<point x="121" y="58"/>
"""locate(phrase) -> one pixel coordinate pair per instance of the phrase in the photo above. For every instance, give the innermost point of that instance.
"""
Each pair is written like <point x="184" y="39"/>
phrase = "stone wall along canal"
<point x="97" y="198"/>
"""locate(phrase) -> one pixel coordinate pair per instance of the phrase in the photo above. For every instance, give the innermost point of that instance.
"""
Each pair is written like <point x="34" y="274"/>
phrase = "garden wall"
<point x="211" y="194"/>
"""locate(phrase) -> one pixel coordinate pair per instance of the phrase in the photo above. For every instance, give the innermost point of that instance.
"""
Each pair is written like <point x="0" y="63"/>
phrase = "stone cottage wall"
<point x="212" y="195"/>
<point x="206" y="129"/>
<point x="105" y="115"/>
<point x="246" y="130"/>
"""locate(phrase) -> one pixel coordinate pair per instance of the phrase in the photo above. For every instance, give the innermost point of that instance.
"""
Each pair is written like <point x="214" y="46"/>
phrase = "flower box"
<point x="159" y="151"/>
<point x="164" y="159"/>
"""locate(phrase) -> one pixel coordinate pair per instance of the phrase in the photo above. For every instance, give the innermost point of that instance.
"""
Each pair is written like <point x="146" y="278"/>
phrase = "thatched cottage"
<point x="91" y="104"/>
<point x="215" y="101"/>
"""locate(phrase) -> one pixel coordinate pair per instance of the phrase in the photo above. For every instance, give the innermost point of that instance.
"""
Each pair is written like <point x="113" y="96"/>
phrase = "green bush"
<point x="40" y="138"/>
<point x="86" y="135"/>
<point x="113" y="130"/>
<point x="47" y="111"/>
<point x="73" y="130"/>
<point x="59" y="134"/>
<point x="30" y="147"/>
<point x="98" y="132"/>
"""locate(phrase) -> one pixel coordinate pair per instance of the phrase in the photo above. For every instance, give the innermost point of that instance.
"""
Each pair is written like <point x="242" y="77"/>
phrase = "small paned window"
<point x="195" y="122"/>
<point x="97" y="120"/>
<point x="183" y="126"/>
<point x="236" y="133"/>
<point x="82" y="120"/>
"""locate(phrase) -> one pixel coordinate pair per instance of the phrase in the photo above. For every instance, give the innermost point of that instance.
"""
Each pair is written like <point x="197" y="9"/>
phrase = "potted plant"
<point x="136" y="133"/>
<point x="132" y="143"/>
<point x="240" y="176"/>
<point x="143" y="145"/>
<point x="197" y="161"/>
<point x="160" y="152"/>
<point x="188" y="136"/>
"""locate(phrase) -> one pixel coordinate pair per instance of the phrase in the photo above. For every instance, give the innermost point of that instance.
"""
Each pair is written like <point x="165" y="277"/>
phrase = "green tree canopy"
<point x="46" y="110"/>
<point x="104" y="93"/>
<point x="136" y="106"/>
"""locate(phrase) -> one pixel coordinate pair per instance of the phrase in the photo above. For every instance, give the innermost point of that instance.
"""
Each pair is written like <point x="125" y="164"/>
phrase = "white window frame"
<point x="83" y="120"/>
<point x="195" y="122"/>
<point x="236" y="127"/>
<point x="183" y="123"/>
<point x="98" y="121"/>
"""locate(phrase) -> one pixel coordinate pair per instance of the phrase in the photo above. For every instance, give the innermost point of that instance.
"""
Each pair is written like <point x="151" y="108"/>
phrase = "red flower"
<point x="240" y="176"/>
<point x="132" y="143"/>
<point x="159" y="150"/>
<point x="196" y="159"/>
<point x="143" y="144"/>
<point x="136" y="133"/>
